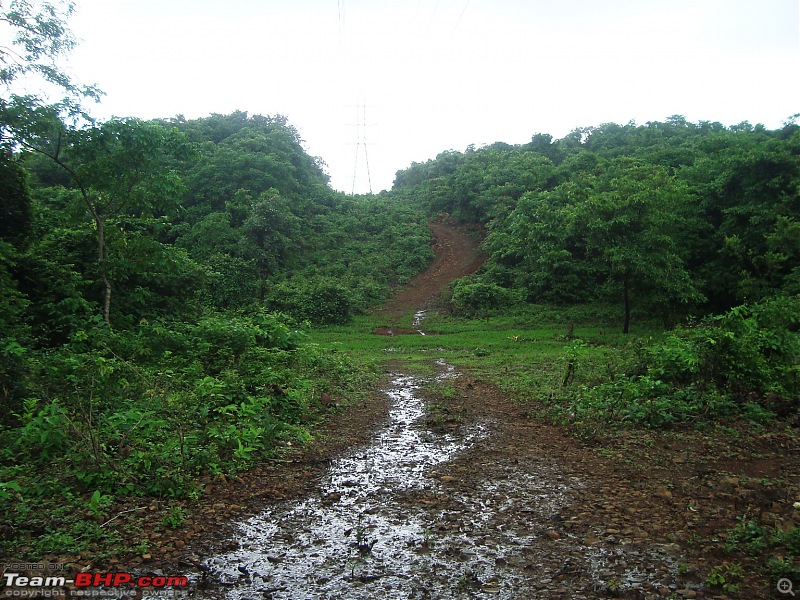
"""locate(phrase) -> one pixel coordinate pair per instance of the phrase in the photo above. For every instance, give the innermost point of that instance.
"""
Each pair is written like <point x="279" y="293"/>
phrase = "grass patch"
<point x="533" y="354"/>
<point x="577" y="367"/>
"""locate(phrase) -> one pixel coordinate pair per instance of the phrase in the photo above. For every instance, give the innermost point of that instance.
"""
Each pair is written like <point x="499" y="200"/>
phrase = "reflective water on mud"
<point x="353" y="538"/>
<point x="417" y="322"/>
<point x="411" y="516"/>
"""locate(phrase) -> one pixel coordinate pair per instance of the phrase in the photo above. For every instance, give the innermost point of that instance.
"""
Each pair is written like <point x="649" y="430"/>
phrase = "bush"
<point x="649" y="402"/>
<point x="743" y="363"/>
<point x="321" y="301"/>
<point x="147" y="411"/>
<point x="748" y="352"/>
<point x="471" y="296"/>
<point x="232" y="282"/>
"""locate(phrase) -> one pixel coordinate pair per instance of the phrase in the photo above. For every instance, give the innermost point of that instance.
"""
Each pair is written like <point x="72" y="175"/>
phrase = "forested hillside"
<point x="670" y="218"/>
<point x="694" y="228"/>
<point x="174" y="295"/>
<point x="156" y="277"/>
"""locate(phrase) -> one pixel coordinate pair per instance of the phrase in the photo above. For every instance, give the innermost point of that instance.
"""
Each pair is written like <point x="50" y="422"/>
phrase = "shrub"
<point x="748" y="352"/>
<point x="745" y="362"/>
<point x="321" y="301"/>
<point x="472" y="296"/>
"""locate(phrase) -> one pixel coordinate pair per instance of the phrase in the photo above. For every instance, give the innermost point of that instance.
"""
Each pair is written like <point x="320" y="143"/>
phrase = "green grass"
<point x="580" y="371"/>
<point x="526" y="353"/>
<point x="578" y="368"/>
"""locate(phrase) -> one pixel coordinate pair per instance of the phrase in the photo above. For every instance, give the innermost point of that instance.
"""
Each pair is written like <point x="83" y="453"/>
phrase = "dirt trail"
<point x="493" y="503"/>
<point x="457" y="255"/>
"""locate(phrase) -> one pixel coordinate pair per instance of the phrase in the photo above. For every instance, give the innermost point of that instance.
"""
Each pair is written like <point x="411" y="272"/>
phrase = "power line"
<point x="461" y="16"/>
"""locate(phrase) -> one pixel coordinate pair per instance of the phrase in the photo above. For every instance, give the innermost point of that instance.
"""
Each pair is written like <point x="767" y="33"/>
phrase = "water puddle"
<point x="428" y="514"/>
<point x="358" y="535"/>
<point x="417" y="322"/>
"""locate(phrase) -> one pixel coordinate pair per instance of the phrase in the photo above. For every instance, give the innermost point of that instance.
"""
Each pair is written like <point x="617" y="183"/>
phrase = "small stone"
<point x="662" y="492"/>
<point x="553" y="534"/>
<point x="590" y="541"/>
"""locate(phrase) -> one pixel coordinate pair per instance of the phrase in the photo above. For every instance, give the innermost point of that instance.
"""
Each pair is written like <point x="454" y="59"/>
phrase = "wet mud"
<point x="429" y="512"/>
<point x="367" y="530"/>
<point x="465" y="506"/>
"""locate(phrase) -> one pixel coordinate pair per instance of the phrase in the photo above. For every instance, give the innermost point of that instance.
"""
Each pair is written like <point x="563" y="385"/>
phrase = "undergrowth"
<point x="151" y="411"/>
<point x="148" y="413"/>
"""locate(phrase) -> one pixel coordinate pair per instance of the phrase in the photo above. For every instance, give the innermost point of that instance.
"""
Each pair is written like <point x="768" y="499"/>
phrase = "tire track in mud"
<point x="357" y="535"/>
<point x="482" y="508"/>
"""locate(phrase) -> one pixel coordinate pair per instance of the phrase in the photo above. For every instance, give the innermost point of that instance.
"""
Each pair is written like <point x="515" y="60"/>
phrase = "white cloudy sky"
<point x="433" y="75"/>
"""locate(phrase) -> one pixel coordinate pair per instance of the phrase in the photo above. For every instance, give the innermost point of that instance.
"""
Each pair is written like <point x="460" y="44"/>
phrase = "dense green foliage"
<point x="261" y="220"/>
<point x="669" y="218"/>
<point x="667" y="221"/>
<point x="202" y="230"/>
<point x="744" y="362"/>
<point x="156" y="282"/>
<point x="159" y="281"/>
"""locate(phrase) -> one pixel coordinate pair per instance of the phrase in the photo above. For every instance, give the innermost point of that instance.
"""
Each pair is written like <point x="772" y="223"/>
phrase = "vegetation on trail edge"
<point x="183" y="299"/>
<point x="697" y="390"/>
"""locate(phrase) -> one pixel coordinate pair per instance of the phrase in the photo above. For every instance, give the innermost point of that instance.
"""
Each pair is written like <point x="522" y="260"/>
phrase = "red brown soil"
<point x="457" y="255"/>
<point x="682" y="489"/>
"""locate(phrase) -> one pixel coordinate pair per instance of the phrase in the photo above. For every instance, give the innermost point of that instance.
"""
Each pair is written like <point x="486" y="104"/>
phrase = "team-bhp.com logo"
<point x="88" y="581"/>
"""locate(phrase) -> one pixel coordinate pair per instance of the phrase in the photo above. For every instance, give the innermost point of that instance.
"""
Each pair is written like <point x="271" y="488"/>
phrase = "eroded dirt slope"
<point x="457" y="255"/>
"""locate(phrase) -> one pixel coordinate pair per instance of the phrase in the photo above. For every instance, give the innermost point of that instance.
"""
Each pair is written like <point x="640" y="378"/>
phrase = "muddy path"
<point x="458" y="502"/>
<point x="418" y="493"/>
<point x="456" y="255"/>
<point x="455" y="496"/>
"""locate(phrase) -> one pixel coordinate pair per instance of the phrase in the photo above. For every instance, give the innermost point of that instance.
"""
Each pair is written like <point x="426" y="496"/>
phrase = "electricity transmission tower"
<point x="361" y="142"/>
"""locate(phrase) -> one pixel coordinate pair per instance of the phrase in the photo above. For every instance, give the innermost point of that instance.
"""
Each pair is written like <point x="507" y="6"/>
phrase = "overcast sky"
<point x="407" y="79"/>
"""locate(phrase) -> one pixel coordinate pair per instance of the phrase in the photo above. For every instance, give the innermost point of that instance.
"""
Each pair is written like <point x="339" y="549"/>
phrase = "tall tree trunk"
<point x="101" y="259"/>
<point x="262" y="287"/>
<point x="627" y="299"/>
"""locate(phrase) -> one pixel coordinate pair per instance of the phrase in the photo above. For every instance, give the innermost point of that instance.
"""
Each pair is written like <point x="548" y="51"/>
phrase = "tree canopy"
<point x="672" y="216"/>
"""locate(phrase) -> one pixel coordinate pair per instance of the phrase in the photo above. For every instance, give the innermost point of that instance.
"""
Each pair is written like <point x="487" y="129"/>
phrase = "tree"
<point x="536" y="246"/>
<point x="271" y="228"/>
<point x="748" y="184"/>
<point x="40" y="37"/>
<point x="630" y="224"/>
<point x="118" y="167"/>
<point x="15" y="209"/>
<point x="255" y="153"/>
